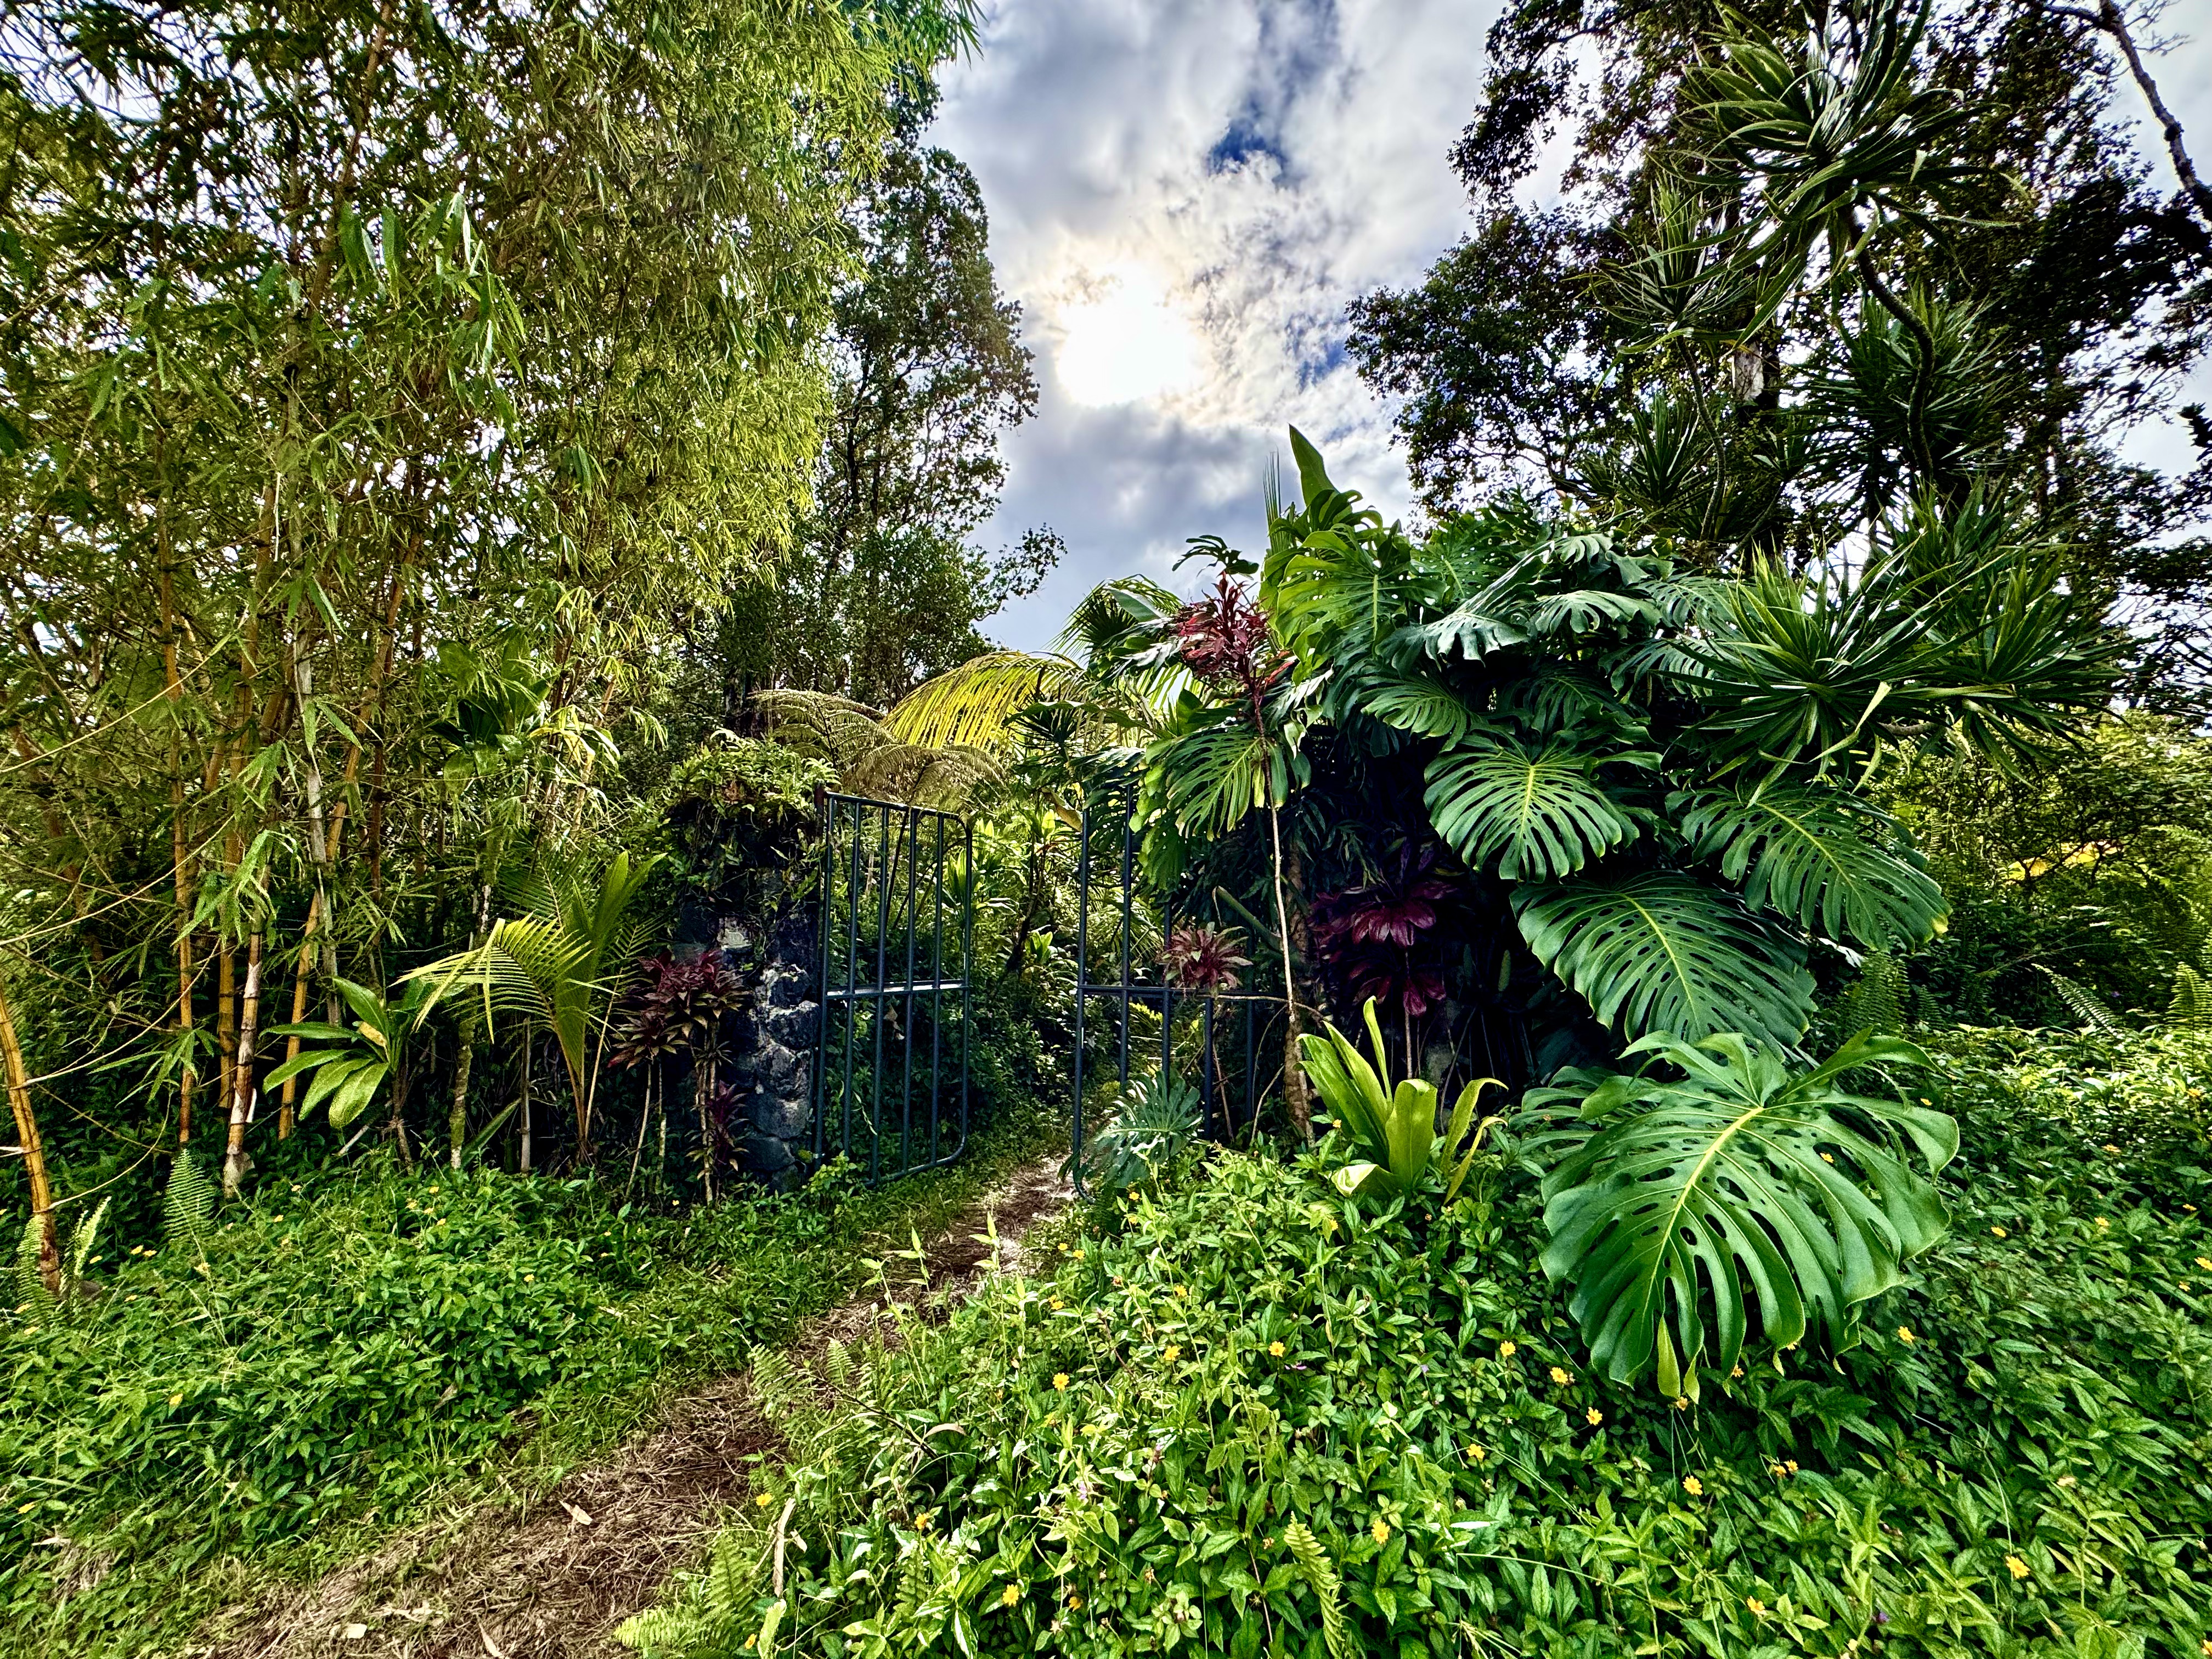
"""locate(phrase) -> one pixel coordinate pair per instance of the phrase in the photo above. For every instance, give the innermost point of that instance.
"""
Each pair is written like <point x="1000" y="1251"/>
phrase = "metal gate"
<point x="897" y="937"/>
<point x="1233" y="1040"/>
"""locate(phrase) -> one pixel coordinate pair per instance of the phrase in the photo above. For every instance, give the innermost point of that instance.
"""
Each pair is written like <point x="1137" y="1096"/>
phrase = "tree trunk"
<point x="226" y="1020"/>
<point x="2109" y="19"/>
<point x="241" y="1088"/>
<point x="522" y="1155"/>
<point x="456" y="1120"/>
<point x="1295" y="1097"/>
<point x="34" y="1150"/>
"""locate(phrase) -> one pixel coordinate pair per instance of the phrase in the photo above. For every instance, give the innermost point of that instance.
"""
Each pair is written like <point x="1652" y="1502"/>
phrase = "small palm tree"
<point x="562" y="964"/>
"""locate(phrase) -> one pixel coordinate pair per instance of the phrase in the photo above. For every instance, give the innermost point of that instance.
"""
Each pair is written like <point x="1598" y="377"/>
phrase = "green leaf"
<point x="1802" y="852"/>
<point x="1313" y="476"/>
<point x="1540" y="813"/>
<point x="1675" y="1208"/>
<point x="1661" y="952"/>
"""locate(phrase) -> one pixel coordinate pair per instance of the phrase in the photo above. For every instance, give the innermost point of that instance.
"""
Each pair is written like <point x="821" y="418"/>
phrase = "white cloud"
<point x="1185" y="194"/>
<point x="1184" y="197"/>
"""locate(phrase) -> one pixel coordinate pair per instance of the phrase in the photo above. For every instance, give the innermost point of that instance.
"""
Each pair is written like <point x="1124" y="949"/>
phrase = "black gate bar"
<point x="870" y="891"/>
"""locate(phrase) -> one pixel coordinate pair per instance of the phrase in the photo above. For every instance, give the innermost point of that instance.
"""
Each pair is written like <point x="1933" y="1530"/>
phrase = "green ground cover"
<point x="364" y="1347"/>
<point x="1264" y="1418"/>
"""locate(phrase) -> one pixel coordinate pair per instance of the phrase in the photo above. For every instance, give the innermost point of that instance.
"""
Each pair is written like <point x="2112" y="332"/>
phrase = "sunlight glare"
<point x="1124" y="340"/>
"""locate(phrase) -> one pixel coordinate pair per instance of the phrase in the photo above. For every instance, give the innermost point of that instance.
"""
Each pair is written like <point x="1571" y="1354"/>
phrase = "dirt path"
<point x="550" y="1578"/>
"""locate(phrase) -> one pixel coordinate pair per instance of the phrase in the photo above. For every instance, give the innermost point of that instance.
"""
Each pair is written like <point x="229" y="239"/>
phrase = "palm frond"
<point x="970" y="706"/>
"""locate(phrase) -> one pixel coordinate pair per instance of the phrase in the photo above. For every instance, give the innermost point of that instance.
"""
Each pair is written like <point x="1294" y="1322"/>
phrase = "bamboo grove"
<point x="385" y="387"/>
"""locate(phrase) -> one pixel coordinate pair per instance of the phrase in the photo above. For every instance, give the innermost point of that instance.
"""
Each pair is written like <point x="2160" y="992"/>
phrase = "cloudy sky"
<point x="1184" y="194"/>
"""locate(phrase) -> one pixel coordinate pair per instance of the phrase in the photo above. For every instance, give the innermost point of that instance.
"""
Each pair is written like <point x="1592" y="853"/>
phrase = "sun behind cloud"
<point x="1124" y="339"/>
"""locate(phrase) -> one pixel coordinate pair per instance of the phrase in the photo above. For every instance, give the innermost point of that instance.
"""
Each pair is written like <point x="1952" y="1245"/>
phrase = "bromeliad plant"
<point x="1390" y="1130"/>
<point x="1675" y="1204"/>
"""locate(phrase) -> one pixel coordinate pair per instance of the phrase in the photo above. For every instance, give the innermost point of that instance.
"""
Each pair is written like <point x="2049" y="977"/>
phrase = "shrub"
<point x="1270" y="1419"/>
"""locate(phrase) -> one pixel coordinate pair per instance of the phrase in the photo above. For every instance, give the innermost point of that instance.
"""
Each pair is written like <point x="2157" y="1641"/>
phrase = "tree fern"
<point x="970" y="706"/>
<point x="1320" y="1574"/>
<point x="188" y="1205"/>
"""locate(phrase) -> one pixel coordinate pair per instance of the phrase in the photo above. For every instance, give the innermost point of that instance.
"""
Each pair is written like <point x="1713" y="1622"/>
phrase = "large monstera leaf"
<point x="1539" y="813"/>
<point x="1662" y="952"/>
<point x="1802" y="853"/>
<point x="1673" y="1207"/>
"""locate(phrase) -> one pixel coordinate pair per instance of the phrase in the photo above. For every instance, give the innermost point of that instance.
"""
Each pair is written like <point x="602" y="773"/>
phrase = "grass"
<point x="359" y="1353"/>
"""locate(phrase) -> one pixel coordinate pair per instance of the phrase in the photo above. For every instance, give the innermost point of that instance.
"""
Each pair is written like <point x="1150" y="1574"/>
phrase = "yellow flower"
<point x="1593" y="1417"/>
<point x="1078" y="1252"/>
<point x="1790" y="1464"/>
<point x="2101" y="1222"/>
<point x="764" y="1499"/>
<point x="925" y="1520"/>
<point x="175" y="1401"/>
<point x="2016" y="1566"/>
<point x="1381" y="1529"/>
<point x="1008" y="1596"/>
<point x="1506" y="1351"/>
<point x="1737" y="1369"/>
<point x="1277" y="1350"/>
<point x="1905" y="1335"/>
<point x="1477" y="1451"/>
<point x="1755" y="1605"/>
<point x="1063" y="1249"/>
<point x="1183" y="1290"/>
<point x="1680" y="1402"/>
<point x="1693" y="1485"/>
<point x="2110" y="1147"/>
<point x="2205" y="1262"/>
<point x="1559" y="1376"/>
<point x="1998" y="1233"/>
<point x="1092" y="1429"/>
<point x="1057" y="1304"/>
<point x="1827" y="1157"/>
<point x="1172" y="1352"/>
<point x="1777" y="1471"/>
<point x="1074" y="1600"/>
<point x="1060" y="1381"/>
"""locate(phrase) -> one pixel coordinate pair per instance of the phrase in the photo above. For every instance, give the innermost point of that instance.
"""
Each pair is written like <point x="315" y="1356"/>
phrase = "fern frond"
<point x="777" y="1382"/>
<point x="943" y="778"/>
<point x="187" y="1203"/>
<point x="1320" y="1574"/>
<point x="2190" y="1011"/>
<point x="2084" y="1007"/>
<point x="1875" y="1005"/>
<point x="31" y="1290"/>
<point x="837" y="1365"/>
<point x="82" y="1239"/>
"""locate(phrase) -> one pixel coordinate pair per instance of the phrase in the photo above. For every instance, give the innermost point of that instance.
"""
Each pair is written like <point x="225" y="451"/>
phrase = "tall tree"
<point x="380" y="381"/>
<point x="2051" y="272"/>
<point x="882" y="588"/>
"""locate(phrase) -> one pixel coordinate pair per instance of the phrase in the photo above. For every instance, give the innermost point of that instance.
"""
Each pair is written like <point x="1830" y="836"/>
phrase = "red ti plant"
<point x="679" y="1010"/>
<point x="1388" y="938"/>
<point x="1201" y="957"/>
<point x="1225" y="641"/>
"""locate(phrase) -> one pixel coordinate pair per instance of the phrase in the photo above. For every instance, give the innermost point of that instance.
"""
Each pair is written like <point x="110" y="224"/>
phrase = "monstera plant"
<point x="1657" y="770"/>
<point x="1723" y="1177"/>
